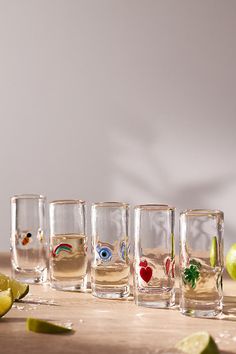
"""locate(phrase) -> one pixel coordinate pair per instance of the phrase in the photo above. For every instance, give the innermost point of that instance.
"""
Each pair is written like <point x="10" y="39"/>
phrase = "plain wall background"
<point x="119" y="100"/>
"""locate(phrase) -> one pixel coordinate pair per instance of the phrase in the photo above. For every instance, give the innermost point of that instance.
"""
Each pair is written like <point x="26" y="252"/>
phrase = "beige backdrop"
<point x="119" y="100"/>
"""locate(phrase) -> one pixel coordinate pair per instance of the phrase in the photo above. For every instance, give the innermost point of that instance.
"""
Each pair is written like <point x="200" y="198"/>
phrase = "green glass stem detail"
<point x="172" y="246"/>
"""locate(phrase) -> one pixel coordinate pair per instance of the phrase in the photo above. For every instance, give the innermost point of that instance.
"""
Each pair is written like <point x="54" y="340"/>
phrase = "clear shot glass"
<point x="201" y="262"/>
<point x="28" y="241"/>
<point x="68" y="260"/>
<point x="154" y="276"/>
<point x="110" y="266"/>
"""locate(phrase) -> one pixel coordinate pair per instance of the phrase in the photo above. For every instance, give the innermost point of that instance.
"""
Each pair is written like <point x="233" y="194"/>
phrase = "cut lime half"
<point x="41" y="326"/>
<point x="6" y="301"/>
<point x="198" y="343"/>
<point x="19" y="290"/>
<point x="231" y="261"/>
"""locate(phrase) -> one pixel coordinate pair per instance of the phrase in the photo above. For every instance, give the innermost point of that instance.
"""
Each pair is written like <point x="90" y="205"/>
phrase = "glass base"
<point x="154" y="298"/>
<point x="201" y="308"/>
<point x="110" y="293"/>
<point x="30" y="276"/>
<point x="71" y="285"/>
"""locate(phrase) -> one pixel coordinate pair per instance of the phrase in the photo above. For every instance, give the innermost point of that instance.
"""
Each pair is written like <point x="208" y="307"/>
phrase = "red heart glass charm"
<point x="167" y="265"/>
<point x="173" y="269"/>
<point x="143" y="263"/>
<point x="146" y="274"/>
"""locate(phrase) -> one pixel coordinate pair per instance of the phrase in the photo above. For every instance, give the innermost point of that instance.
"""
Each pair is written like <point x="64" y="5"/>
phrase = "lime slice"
<point x="231" y="261"/>
<point x="40" y="326"/>
<point x="198" y="343"/>
<point x="19" y="290"/>
<point x="6" y="301"/>
<point x="213" y="251"/>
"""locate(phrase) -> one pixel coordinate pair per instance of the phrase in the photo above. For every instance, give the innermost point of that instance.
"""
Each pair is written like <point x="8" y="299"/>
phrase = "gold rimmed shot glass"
<point x="28" y="239"/>
<point x="110" y="267"/>
<point x="68" y="245"/>
<point x="154" y="276"/>
<point x="201" y="262"/>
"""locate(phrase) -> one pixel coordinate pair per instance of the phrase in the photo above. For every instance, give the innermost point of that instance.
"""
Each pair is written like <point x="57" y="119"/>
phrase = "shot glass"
<point x="201" y="262"/>
<point x="110" y="266"/>
<point x="154" y="276"/>
<point x="68" y="260"/>
<point x="28" y="241"/>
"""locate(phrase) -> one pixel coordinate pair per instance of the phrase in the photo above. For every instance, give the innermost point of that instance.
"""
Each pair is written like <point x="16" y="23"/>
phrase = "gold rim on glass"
<point x="201" y="212"/>
<point x="157" y="207"/>
<point x="68" y="201"/>
<point x="111" y="204"/>
<point x="27" y="196"/>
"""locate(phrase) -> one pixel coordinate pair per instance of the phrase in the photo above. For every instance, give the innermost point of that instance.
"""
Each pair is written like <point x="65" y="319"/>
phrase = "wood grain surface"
<point x="106" y="326"/>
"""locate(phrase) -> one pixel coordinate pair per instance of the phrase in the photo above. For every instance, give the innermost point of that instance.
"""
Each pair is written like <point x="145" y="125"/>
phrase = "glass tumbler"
<point x="201" y="262"/>
<point x="28" y="242"/>
<point x="110" y="266"/>
<point x="68" y="260"/>
<point x="154" y="276"/>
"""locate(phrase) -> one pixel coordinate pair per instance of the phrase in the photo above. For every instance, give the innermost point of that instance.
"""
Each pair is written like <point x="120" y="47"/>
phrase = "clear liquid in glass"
<point x="206" y="294"/>
<point x="111" y="278"/>
<point x="68" y="262"/>
<point x="159" y="290"/>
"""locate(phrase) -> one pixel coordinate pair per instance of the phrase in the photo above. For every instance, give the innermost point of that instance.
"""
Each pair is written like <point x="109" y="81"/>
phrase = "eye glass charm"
<point x="104" y="253"/>
<point x="124" y="250"/>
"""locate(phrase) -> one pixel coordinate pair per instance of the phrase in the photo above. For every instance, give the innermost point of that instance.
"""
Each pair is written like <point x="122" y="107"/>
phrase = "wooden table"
<point x="106" y="326"/>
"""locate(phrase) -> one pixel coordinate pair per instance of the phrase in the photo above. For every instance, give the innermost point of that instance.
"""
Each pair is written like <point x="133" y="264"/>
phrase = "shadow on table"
<point x="176" y="351"/>
<point x="12" y="320"/>
<point x="229" y="309"/>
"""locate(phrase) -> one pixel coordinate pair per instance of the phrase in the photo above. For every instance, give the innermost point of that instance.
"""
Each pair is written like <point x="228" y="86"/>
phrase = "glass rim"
<point x="110" y="204"/>
<point x="201" y="212"/>
<point x="28" y="196"/>
<point x="67" y="201"/>
<point x="157" y="207"/>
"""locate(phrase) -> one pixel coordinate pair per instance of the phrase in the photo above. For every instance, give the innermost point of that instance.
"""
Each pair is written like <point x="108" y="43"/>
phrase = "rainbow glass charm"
<point x="62" y="247"/>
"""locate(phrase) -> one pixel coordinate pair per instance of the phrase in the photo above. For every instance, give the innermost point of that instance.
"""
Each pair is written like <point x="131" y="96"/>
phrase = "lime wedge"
<point x="40" y="326"/>
<point x="231" y="261"/>
<point x="6" y="301"/>
<point x="198" y="343"/>
<point x="19" y="290"/>
<point x="213" y="251"/>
